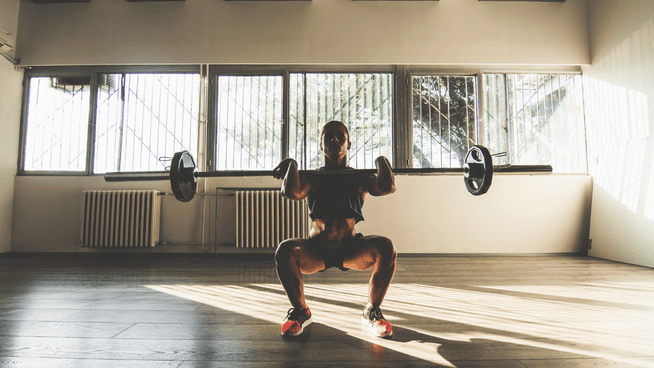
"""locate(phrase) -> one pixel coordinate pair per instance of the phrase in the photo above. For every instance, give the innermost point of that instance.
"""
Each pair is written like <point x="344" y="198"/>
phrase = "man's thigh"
<point x="363" y="252"/>
<point x="307" y="255"/>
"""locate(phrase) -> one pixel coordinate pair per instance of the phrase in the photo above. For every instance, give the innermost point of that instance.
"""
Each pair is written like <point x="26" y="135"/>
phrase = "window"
<point x="363" y="101"/>
<point x="250" y="110"/>
<point x="444" y="119"/>
<point x="138" y="120"/>
<point x="249" y="122"/>
<point x="57" y="123"/>
<point x="143" y="118"/>
<point x="537" y="119"/>
<point x="96" y="120"/>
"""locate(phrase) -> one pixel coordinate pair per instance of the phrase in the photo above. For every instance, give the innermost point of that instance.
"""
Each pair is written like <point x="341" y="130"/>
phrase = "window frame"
<point x="216" y="71"/>
<point x="443" y="73"/>
<point x="94" y="72"/>
<point x="53" y="73"/>
<point x="569" y="70"/>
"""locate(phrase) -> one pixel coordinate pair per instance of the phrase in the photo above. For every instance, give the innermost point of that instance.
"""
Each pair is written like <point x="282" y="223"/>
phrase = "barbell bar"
<point x="477" y="172"/>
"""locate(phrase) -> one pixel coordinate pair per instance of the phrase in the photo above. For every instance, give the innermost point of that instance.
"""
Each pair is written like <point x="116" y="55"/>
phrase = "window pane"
<point x="495" y="132"/>
<point x="542" y="117"/>
<point x="57" y="124"/>
<point x="249" y="122"/>
<point x="444" y="120"/>
<point x="364" y="102"/>
<point x="144" y="118"/>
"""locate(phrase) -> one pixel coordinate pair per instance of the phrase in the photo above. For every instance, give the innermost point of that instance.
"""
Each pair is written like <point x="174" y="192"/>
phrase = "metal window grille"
<point x="57" y="124"/>
<point x="362" y="101"/>
<point x="537" y="119"/>
<point x="144" y="117"/>
<point x="249" y="122"/>
<point x="444" y="119"/>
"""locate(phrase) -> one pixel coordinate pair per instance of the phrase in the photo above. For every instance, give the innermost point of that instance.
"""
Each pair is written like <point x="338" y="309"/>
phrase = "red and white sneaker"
<point x="375" y="321"/>
<point x="295" y="322"/>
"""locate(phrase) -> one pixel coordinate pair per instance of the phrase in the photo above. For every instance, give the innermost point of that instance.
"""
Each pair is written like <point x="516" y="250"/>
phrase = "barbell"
<point x="477" y="172"/>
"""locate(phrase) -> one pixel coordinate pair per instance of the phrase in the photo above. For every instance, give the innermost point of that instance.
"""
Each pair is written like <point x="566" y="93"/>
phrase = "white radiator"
<point x="120" y="218"/>
<point x="264" y="218"/>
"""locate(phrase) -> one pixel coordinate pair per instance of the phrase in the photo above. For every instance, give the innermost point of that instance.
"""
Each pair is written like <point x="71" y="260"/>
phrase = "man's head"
<point x="335" y="139"/>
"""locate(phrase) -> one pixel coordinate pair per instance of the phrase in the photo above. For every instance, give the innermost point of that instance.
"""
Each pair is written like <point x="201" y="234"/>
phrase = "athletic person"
<point x="335" y="203"/>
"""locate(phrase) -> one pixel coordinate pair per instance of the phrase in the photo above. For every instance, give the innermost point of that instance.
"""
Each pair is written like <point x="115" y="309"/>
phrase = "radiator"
<point x="264" y="218"/>
<point x="120" y="218"/>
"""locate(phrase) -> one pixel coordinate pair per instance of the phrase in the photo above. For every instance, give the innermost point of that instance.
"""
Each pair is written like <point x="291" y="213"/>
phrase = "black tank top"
<point x="336" y="197"/>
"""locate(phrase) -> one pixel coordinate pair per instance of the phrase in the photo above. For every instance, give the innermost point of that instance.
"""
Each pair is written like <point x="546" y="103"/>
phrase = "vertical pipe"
<point x="237" y="207"/>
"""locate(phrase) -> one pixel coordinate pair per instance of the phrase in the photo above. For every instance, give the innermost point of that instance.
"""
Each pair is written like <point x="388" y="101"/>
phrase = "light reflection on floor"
<point x="571" y="319"/>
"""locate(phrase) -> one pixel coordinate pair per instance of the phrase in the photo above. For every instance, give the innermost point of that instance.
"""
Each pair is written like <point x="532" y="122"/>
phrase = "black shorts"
<point x="336" y="257"/>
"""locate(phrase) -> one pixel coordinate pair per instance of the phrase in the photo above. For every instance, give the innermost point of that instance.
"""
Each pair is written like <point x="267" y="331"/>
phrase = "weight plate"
<point x="479" y="182"/>
<point x="182" y="176"/>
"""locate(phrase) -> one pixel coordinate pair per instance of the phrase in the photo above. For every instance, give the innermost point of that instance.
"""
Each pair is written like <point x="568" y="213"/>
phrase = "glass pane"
<point x="364" y="102"/>
<point x="543" y="120"/>
<point x="494" y="116"/>
<point x="57" y="124"/>
<point x="444" y="120"/>
<point x="144" y="118"/>
<point x="249" y="122"/>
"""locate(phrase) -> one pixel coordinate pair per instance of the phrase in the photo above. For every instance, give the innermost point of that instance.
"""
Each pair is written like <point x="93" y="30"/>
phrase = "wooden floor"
<point x="190" y="311"/>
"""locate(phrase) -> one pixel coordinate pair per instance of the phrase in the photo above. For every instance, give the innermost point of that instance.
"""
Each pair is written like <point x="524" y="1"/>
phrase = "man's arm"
<point x="293" y="186"/>
<point x="384" y="182"/>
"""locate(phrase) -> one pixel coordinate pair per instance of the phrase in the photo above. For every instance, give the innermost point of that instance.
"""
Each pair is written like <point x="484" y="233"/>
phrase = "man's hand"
<point x="293" y="187"/>
<point x="280" y="171"/>
<point x="384" y="182"/>
<point x="383" y="165"/>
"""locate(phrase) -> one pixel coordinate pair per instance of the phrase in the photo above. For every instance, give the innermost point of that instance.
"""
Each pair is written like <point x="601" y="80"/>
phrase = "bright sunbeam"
<point x="556" y="318"/>
<point x="619" y="122"/>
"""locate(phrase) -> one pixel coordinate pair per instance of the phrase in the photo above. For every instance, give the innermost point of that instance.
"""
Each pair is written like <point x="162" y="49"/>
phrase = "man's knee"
<point x="285" y="251"/>
<point x="387" y="251"/>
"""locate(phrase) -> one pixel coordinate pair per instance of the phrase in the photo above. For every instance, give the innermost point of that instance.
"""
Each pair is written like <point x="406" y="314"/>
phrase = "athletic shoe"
<point x="375" y="321"/>
<point x="295" y="322"/>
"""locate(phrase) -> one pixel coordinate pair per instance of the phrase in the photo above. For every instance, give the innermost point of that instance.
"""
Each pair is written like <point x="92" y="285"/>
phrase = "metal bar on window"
<point x="430" y="92"/>
<point x="258" y="114"/>
<point x="308" y="149"/>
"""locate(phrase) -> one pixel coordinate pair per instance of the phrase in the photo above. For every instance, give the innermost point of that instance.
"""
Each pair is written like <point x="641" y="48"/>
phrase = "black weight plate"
<point x="479" y="155"/>
<point x="182" y="178"/>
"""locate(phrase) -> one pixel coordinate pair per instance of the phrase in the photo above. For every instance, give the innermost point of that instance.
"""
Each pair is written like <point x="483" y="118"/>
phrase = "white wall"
<point x="11" y="92"/>
<point x="518" y="215"/>
<point x="298" y="32"/>
<point x="427" y="214"/>
<point x="619" y="94"/>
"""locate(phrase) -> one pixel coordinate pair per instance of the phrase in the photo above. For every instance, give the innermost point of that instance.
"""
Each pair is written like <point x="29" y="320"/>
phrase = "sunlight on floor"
<point x="570" y="319"/>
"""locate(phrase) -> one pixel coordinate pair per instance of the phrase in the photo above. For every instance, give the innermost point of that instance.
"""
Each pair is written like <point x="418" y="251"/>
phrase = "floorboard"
<point x="191" y="311"/>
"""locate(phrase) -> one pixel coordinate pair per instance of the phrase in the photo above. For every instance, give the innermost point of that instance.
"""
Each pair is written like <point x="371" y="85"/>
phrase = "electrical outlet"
<point x="590" y="243"/>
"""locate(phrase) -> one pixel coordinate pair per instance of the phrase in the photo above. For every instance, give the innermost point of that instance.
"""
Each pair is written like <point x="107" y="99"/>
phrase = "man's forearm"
<point x="292" y="186"/>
